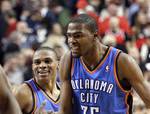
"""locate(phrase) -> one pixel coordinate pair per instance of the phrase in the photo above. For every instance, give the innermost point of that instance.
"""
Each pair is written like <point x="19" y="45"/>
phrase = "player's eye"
<point x="75" y="35"/>
<point x="78" y="35"/>
<point x="48" y="61"/>
<point x="37" y="62"/>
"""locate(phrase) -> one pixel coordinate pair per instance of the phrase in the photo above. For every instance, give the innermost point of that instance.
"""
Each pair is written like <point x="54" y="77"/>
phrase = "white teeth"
<point x="42" y="72"/>
<point x="75" y="48"/>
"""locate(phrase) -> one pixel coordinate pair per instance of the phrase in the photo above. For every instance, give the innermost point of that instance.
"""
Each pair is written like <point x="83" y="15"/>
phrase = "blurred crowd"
<point x="26" y="25"/>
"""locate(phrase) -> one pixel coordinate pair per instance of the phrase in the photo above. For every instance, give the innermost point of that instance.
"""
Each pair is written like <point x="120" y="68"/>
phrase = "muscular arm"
<point x="66" y="89"/>
<point x="24" y="97"/>
<point x="129" y="69"/>
<point x="8" y="104"/>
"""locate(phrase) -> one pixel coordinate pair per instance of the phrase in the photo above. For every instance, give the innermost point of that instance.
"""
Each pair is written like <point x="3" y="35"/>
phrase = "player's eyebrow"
<point x="78" y="32"/>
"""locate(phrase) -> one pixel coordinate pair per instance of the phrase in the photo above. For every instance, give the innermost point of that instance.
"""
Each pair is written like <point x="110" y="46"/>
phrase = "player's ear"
<point x="32" y="67"/>
<point x="95" y="35"/>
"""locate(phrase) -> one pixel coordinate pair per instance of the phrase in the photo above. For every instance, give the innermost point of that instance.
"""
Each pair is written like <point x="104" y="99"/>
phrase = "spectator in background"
<point x="109" y="40"/>
<point x="145" y="58"/>
<point x="6" y="16"/>
<point x="133" y="50"/>
<point x="28" y="54"/>
<point x="141" y="22"/>
<point x="27" y="37"/>
<point x="56" y="39"/>
<point x="62" y="13"/>
<point x="30" y="5"/>
<point x="5" y="6"/>
<point x="112" y="10"/>
<point x="48" y="17"/>
<point x="118" y="33"/>
<point x="14" y="67"/>
<point x="12" y="43"/>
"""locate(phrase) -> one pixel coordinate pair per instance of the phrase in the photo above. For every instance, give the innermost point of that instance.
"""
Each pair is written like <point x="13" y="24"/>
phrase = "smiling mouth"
<point x="75" y="49"/>
<point x="43" y="73"/>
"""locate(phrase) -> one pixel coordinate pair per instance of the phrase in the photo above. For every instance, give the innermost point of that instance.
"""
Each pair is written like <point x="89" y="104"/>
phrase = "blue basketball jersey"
<point x="39" y="96"/>
<point x="98" y="91"/>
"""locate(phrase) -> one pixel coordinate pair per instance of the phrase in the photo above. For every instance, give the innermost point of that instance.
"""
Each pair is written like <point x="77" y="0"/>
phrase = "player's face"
<point x="80" y="39"/>
<point x="44" y="65"/>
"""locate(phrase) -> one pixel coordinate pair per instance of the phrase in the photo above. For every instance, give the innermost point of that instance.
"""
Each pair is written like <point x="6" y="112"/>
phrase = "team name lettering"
<point x="90" y="84"/>
<point x="95" y="86"/>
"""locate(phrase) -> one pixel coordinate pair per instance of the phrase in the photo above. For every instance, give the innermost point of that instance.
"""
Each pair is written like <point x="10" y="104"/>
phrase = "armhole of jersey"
<point x="128" y="96"/>
<point x="34" y="99"/>
<point x="129" y="102"/>
<point x="122" y="85"/>
<point x="58" y="87"/>
<point x="116" y="73"/>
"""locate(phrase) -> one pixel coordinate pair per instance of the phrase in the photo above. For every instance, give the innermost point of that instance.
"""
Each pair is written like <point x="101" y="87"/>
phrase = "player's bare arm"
<point x="24" y="97"/>
<point x="66" y="90"/>
<point x="129" y="70"/>
<point x="9" y="104"/>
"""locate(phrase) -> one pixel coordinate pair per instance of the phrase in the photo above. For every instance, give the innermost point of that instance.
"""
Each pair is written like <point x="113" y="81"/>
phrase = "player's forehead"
<point x="41" y="54"/>
<point x="76" y="27"/>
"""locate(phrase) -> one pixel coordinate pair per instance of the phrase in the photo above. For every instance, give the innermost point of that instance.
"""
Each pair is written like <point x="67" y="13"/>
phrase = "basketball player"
<point x="98" y="78"/>
<point x="43" y="87"/>
<point x="8" y="103"/>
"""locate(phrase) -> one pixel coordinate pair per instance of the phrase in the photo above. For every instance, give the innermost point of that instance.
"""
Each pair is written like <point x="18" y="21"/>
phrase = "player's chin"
<point x="44" y="80"/>
<point x="76" y="55"/>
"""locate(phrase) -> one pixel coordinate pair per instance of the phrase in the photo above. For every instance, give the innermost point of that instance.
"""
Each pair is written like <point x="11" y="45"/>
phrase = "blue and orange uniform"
<point x="39" y="96"/>
<point x="99" y="91"/>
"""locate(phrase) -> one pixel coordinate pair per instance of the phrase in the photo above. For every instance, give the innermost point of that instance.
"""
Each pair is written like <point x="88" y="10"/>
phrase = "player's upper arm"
<point x="65" y="66"/>
<point x="8" y="104"/>
<point x="24" y="97"/>
<point x="4" y="92"/>
<point x="130" y="70"/>
<point x="66" y="89"/>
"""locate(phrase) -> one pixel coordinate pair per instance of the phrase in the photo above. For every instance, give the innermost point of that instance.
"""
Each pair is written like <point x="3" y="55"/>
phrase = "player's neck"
<point x="91" y="57"/>
<point x="94" y="55"/>
<point x="46" y="86"/>
<point x="53" y="91"/>
<point x="49" y="87"/>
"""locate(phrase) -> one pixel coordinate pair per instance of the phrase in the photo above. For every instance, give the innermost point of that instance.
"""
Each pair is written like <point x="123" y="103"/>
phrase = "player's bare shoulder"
<point x="23" y="95"/>
<point x="65" y="65"/>
<point x="128" y="67"/>
<point x="125" y="61"/>
<point x="125" y="58"/>
<point x="22" y="89"/>
<point x="66" y="57"/>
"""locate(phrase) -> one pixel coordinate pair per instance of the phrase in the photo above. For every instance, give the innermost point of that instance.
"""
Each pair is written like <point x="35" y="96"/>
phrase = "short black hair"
<point x="89" y="21"/>
<point x="46" y="48"/>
